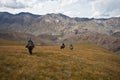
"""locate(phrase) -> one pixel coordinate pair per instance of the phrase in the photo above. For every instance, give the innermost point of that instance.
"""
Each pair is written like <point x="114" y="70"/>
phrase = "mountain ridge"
<point x="56" y="28"/>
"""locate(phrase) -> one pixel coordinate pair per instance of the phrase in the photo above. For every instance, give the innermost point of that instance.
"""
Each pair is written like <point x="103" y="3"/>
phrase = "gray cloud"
<point x="106" y="8"/>
<point x="73" y="8"/>
<point x="12" y="4"/>
<point x="20" y="4"/>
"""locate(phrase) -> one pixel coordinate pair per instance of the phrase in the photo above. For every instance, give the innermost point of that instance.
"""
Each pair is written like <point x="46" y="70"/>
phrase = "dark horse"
<point x="30" y="46"/>
<point x="62" y="46"/>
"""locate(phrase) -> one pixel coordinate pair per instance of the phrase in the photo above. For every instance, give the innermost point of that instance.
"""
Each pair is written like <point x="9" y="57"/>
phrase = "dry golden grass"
<point x="9" y="42"/>
<point x="85" y="62"/>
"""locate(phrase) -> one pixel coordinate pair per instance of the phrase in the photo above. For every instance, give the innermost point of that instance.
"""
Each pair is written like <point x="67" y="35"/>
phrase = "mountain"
<point x="53" y="28"/>
<point x="82" y="19"/>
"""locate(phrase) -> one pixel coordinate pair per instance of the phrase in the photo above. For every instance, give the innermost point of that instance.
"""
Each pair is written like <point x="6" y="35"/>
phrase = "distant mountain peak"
<point x="57" y="15"/>
<point x="5" y="13"/>
<point x="25" y="13"/>
<point x="83" y="19"/>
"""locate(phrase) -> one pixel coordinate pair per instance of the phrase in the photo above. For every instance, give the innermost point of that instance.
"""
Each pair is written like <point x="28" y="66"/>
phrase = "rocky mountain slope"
<point x="57" y="28"/>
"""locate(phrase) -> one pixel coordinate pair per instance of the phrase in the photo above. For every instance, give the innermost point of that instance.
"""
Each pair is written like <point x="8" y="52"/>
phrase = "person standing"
<point x="71" y="47"/>
<point x="62" y="46"/>
<point x="30" y="45"/>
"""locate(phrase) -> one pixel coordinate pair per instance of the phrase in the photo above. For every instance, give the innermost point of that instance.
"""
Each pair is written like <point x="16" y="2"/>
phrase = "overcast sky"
<point x="72" y="8"/>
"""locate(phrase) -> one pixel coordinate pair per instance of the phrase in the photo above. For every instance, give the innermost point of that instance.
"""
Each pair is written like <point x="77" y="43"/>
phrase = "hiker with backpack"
<point x="30" y="45"/>
<point x="71" y="47"/>
<point x="62" y="46"/>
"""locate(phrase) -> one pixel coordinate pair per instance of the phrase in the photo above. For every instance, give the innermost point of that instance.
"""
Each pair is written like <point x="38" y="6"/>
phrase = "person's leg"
<point x="30" y="50"/>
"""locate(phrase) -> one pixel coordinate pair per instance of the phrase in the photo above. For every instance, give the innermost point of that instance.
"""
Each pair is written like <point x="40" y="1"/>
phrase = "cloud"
<point x="11" y="4"/>
<point x="106" y="8"/>
<point x="73" y="8"/>
<point x="20" y="4"/>
<point x="78" y="8"/>
<point x="66" y="2"/>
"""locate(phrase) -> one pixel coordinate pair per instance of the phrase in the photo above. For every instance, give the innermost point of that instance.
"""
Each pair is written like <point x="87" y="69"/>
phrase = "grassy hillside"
<point x="9" y="43"/>
<point x="85" y="62"/>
